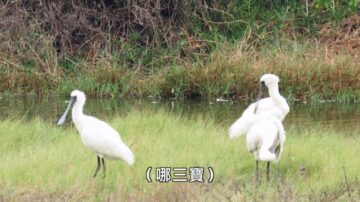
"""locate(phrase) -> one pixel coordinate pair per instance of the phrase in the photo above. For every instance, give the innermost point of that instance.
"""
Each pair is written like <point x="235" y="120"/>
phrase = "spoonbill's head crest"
<point x="79" y="96"/>
<point x="269" y="79"/>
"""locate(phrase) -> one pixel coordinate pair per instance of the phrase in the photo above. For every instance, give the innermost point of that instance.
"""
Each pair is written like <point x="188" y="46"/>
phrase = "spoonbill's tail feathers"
<point x="126" y="154"/>
<point x="266" y="155"/>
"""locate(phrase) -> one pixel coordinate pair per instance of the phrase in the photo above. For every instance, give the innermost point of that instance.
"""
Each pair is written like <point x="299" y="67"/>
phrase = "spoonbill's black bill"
<point x="70" y="105"/>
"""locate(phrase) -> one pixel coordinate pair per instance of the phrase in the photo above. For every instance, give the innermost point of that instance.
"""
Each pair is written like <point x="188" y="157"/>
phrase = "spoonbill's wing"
<point x="104" y="140"/>
<point x="249" y="117"/>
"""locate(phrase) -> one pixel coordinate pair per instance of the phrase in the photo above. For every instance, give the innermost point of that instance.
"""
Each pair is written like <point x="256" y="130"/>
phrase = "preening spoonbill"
<point x="262" y="124"/>
<point x="97" y="135"/>
<point x="265" y="139"/>
<point x="273" y="106"/>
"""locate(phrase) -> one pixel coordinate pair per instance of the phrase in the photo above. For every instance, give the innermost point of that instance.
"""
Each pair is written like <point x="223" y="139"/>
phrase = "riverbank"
<point x="200" y="51"/>
<point x="306" y="73"/>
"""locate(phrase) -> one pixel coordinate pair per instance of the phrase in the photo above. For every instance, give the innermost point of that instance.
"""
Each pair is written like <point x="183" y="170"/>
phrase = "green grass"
<point x="42" y="161"/>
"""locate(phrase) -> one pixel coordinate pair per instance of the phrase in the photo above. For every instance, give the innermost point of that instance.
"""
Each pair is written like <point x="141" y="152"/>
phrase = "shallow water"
<point x="340" y="116"/>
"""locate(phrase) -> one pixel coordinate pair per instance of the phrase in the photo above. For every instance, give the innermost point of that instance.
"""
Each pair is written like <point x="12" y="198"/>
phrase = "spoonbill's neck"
<point x="77" y="113"/>
<point x="274" y="91"/>
<point x="279" y="100"/>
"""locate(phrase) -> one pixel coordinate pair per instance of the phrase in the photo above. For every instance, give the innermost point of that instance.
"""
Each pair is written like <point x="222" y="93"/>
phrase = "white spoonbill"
<point x="265" y="139"/>
<point x="273" y="106"/>
<point x="97" y="135"/>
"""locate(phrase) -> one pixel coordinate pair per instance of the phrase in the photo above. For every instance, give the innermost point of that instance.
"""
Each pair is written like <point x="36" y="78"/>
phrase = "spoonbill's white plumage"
<point x="97" y="135"/>
<point x="262" y="124"/>
<point x="265" y="139"/>
<point x="273" y="106"/>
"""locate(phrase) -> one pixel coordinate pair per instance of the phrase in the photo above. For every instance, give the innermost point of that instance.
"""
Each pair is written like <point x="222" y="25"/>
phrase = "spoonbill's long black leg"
<point x="98" y="166"/>
<point x="267" y="170"/>
<point x="257" y="170"/>
<point x="103" y="165"/>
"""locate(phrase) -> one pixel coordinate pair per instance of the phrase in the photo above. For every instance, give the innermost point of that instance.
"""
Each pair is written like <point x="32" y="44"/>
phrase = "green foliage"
<point x="268" y="20"/>
<point x="69" y="66"/>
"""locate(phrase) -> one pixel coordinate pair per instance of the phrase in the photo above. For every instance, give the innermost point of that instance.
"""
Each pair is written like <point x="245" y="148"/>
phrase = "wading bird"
<point x="273" y="106"/>
<point x="262" y="123"/>
<point x="97" y="135"/>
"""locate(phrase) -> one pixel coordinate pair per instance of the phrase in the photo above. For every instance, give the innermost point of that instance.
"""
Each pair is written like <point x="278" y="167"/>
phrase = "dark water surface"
<point x="341" y="116"/>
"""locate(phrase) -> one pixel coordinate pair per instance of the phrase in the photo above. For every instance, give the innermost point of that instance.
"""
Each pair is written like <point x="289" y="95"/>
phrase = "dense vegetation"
<point x="180" y="48"/>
